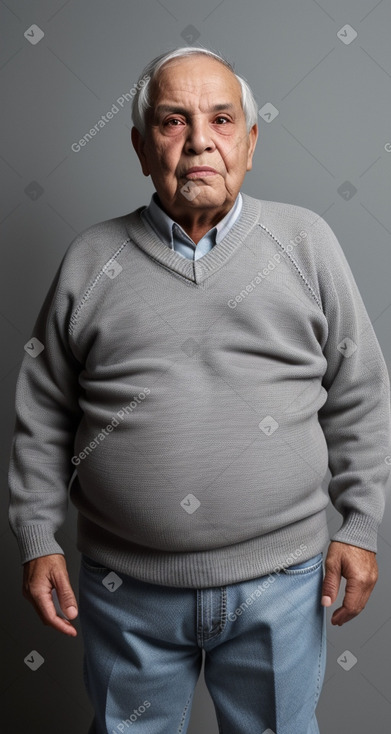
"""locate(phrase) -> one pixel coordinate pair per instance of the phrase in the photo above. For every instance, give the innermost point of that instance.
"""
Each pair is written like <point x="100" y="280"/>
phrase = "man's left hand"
<point x="359" y="567"/>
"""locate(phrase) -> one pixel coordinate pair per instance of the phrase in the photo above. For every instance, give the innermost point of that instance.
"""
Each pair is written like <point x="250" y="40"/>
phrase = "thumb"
<point x="331" y="583"/>
<point x="66" y="597"/>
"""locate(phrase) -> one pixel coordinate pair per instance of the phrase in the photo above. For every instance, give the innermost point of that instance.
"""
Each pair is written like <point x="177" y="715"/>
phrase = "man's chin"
<point x="196" y="194"/>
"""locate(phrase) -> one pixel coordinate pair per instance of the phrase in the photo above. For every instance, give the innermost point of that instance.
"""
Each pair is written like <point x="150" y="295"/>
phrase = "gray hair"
<point x="142" y="101"/>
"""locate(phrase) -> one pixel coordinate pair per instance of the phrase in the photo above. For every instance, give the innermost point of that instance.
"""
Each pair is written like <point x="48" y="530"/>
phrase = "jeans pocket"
<point x="308" y="566"/>
<point x="92" y="565"/>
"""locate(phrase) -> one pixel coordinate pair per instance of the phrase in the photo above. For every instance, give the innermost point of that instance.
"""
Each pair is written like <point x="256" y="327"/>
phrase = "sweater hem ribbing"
<point x="220" y="566"/>
<point x="35" y="541"/>
<point x="359" y="526"/>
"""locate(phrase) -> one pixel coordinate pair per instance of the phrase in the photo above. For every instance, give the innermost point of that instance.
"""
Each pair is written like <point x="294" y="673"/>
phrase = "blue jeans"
<point x="264" y="642"/>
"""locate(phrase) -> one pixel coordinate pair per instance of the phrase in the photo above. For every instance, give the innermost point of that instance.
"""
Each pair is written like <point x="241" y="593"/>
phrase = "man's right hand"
<point x="40" y="576"/>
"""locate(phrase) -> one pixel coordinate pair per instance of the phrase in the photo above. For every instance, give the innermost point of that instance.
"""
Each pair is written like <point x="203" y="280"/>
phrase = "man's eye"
<point x="225" y="119"/>
<point x="172" y="121"/>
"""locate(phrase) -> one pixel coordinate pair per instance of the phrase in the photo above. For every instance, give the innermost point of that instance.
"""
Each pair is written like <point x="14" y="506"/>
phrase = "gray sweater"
<point x="192" y="408"/>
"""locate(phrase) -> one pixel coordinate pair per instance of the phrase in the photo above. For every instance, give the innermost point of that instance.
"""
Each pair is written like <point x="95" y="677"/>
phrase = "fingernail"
<point x="326" y="601"/>
<point x="70" y="610"/>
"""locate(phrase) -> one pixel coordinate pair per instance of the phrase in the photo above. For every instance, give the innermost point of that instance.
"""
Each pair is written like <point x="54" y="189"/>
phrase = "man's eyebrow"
<point x="163" y="108"/>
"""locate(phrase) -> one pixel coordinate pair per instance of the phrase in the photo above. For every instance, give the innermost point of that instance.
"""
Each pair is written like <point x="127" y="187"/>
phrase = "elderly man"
<point x="200" y="363"/>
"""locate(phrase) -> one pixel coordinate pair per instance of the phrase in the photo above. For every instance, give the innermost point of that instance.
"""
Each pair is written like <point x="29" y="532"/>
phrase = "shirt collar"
<point x="163" y="225"/>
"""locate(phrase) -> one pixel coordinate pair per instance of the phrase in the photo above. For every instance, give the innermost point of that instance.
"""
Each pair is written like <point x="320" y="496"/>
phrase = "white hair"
<point x="142" y="101"/>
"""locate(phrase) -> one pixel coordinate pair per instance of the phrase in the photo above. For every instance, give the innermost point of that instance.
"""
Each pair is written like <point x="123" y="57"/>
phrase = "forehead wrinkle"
<point x="194" y="102"/>
<point x="178" y="107"/>
<point x="207" y="87"/>
<point x="219" y="76"/>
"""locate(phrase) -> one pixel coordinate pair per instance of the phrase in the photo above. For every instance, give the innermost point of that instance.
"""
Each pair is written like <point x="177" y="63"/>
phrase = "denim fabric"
<point x="264" y="642"/>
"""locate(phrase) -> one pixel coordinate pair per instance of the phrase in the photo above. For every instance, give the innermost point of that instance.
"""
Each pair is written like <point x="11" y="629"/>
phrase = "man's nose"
<point x="199" y="137"/>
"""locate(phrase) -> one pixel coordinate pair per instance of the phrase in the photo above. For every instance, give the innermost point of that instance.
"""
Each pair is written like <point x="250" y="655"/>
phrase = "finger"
<point x="356" y="596"/>
<point x="341" y="616"/>
<point x="44" y="606"/>
<point x="331" y="583"/>
<point x="66" y="597"/>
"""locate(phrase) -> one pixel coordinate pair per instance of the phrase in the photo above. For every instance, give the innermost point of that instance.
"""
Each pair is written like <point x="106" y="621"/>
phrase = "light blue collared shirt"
<point x="172" y="234"/>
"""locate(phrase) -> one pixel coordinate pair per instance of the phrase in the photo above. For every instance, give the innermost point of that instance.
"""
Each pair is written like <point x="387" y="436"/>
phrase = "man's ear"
<point x="253" y="136"/>
<point x="139" y="144"/>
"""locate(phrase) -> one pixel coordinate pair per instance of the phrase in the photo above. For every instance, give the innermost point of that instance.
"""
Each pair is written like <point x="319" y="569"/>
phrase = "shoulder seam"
<point x="87" y="293"/>
<point x="287" y="254"/>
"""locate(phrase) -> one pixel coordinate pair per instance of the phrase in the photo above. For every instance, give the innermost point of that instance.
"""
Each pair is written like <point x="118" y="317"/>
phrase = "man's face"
<point x="196" y="120"/>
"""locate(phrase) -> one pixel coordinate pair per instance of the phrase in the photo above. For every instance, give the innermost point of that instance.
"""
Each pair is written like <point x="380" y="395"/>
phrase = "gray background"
<point x="333" y="127"/>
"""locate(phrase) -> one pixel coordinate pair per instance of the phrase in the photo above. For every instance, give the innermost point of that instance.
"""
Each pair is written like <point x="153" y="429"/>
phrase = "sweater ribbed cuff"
<point x="359" y="530"/>
<point x="35" y="541"/>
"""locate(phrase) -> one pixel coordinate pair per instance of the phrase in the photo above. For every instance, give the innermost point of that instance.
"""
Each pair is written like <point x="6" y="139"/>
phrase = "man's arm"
<point x="47" y="415"/>
<point x="356" y="423"/>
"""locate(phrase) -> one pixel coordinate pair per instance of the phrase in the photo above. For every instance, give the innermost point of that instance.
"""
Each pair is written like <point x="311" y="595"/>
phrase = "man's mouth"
<point x="200" y="172"/>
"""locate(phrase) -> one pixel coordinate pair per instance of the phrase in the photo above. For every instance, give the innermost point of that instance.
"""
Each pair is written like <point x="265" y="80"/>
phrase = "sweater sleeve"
<point x="355" y="418"/>
<point x="47" y="415"/>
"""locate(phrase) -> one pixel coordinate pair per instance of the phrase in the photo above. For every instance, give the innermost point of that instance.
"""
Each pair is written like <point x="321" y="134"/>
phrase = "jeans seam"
<point x="322" y="635"/>
<point x="184" y="714"/>
<point x="222" y="623"/>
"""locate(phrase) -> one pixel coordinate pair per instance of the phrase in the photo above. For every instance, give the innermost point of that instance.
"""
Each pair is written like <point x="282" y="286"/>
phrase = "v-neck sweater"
<point x="175" y="237"/>
<point x="193" y="408"/>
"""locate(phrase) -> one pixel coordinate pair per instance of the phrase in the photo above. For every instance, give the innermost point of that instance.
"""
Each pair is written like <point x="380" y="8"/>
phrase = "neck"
<point x="196" y="230"/>
<point x="197" y="222"/>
